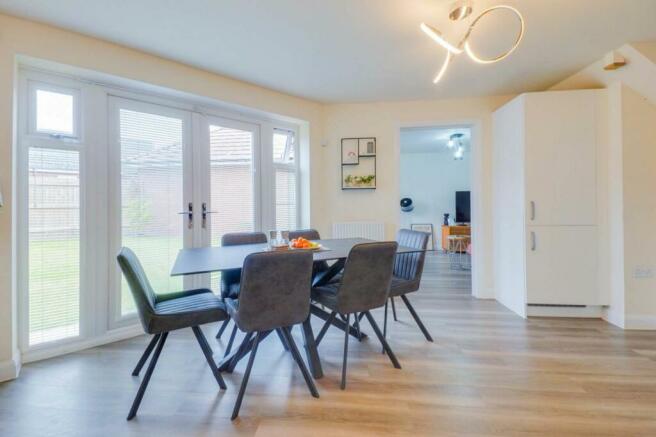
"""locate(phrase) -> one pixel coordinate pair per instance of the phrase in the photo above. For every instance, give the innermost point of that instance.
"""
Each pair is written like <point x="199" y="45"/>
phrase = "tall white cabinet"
<point x="545" y="199"/>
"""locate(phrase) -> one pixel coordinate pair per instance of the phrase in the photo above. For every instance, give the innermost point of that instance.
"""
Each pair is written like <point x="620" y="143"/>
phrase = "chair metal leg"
<point x="385" y="324"/>
<point x="231" y="341"/>
<point x="146" y="380"/>
<point x="356" y="322"/>
<point x="145" y="355"/>
<point x="346" y="338"/>
<point x="394" y="309"/>
<point x="209" y="356"/>
<point x="283" y="340"/>
<point x="325" y="327"/>
<point x="244" y="381"/>
<point x="386" y="346"/>
<point x="416" y="317"/>
<point x="286" y="332"/>
<point x="224" y="325"/>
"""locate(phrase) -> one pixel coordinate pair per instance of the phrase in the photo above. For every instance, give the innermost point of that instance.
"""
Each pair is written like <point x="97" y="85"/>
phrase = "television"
<point x="463" y="214"/>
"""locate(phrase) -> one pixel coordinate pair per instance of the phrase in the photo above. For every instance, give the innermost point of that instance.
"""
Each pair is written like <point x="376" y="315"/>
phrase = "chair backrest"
<point x="409" y="266"/>
<point x="229" y="277"/>
<point x="308" y="234"/>
<point x="142" y="291"/>
<point x="275" y="290"/>
<point x="367" y="276"/>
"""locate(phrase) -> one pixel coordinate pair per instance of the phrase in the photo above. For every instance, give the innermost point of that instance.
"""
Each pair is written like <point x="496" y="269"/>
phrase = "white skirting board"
<point x="640" y="322"/>
<point x="10" y="369"/>
<point x="591" y="311"/>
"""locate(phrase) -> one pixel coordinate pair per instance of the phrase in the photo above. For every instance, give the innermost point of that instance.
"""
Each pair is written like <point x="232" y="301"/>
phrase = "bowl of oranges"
<point x="303" y="243"/>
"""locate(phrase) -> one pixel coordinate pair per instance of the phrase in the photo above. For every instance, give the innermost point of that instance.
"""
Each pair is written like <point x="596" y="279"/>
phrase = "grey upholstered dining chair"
<point x="364" y="285"/>
<point x="310" y="234"/>
<point x="408" y="268"/>
<point x="230" y="278"/>
<point x="274" y="296"/>
<point x="161" y="314"/>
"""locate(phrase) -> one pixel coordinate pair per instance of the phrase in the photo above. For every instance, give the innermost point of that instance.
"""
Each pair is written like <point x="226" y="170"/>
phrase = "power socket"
<point x="643" y="272"/>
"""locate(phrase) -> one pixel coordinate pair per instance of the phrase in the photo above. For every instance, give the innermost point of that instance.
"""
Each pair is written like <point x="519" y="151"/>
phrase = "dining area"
<point x="296" y="298"/>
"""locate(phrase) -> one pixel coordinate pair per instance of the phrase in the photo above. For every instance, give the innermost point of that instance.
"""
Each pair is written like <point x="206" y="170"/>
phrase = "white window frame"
<point x="59" y="87"/>
<point x="27" y="138"/>
<point x="98" y="294"/>
<point x="293" y="167"/>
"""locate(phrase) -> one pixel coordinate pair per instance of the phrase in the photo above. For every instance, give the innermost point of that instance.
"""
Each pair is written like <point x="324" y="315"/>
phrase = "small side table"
<point x="457" y="249"/>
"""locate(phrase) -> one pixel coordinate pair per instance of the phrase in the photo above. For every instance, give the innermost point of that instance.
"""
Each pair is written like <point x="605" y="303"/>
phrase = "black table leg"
<point x="311" y="352"/>
<point x="322" y="278"/>
<point x="336" y="321"/>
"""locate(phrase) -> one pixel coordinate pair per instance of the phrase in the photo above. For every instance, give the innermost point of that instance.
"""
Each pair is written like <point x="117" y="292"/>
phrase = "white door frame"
<point x="115" y="104"/>
<point x="478" y="232"/>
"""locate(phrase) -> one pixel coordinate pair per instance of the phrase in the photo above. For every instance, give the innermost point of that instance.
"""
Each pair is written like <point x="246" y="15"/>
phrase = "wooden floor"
<point x="488" y="373"/>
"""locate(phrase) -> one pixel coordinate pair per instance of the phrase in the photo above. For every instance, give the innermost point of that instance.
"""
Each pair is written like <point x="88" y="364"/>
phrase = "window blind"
<point x="231" y="184"/>
<point x="53" y="244"/>
<point x="286" y="209"/>
<point x="151" y="196"/>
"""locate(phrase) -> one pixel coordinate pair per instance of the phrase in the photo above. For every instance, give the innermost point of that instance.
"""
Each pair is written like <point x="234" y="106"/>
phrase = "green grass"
<point x="54" y="277"/>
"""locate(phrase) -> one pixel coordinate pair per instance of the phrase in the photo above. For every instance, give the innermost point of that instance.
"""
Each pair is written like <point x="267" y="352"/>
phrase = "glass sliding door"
<point x="153" y="146"/>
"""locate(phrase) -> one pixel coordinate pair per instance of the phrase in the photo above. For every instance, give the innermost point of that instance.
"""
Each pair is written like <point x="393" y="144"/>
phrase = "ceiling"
<point x="351" y="51"/>
<point x="431" y="139"/>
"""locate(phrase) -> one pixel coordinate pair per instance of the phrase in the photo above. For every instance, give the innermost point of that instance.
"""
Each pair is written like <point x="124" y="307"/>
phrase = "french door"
<point x="182" y="180"/>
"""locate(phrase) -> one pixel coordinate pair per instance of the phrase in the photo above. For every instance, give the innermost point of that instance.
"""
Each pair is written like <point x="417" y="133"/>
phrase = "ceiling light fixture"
<point x="460" y="11"/>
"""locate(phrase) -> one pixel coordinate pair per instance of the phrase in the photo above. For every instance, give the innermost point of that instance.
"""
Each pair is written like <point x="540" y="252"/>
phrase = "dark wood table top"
<point x="216" y="259"/>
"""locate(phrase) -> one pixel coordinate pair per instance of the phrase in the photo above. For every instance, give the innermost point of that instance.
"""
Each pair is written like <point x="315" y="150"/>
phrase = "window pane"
<point x="151" y="196"/>
<point x="231" y="184"/>
<point x="283" y="147"/>
<point x="286" y="199"/>
<point x="54" y="245"/>
<point x="54" y="112"/>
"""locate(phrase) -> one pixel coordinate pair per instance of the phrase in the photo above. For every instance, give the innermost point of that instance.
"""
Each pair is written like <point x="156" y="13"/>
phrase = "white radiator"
<point x="370" y="230"/>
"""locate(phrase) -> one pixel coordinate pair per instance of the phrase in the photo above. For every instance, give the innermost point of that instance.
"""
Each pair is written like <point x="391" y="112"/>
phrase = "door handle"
<point x="204" y="213"/>
<point x="532" y="210"/>
<point x="190" y="214"/>
<point x="533" y="241"/>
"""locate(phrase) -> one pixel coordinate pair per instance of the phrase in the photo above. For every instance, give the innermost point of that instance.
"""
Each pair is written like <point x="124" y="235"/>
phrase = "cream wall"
<point x="631" y="170"/>
<point x="639" y="182"/>
<point x="383" y="121"/>
<point x="21" y="37"/>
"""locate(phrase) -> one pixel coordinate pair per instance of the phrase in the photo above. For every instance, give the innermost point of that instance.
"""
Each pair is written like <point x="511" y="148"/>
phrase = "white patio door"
<point x="151" y="154"/>
<point x="229" y="157"/>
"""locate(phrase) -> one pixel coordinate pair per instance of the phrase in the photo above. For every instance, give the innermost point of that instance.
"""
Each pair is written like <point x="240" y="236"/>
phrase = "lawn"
<point x="54" y="280"/>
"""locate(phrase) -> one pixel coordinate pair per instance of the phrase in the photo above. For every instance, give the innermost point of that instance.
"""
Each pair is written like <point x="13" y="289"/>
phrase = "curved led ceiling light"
<point x="452" y="50"/>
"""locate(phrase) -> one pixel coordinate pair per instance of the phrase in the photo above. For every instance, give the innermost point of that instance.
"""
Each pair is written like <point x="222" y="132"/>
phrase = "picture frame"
<point x="358" y="163"/>
<point x="425" y="227"/>
<point x="350" y="151"/>
<point x="367" y="146"/>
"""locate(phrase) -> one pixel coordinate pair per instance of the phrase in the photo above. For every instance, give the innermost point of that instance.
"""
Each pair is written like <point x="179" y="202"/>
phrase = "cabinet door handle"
<point x="532" y="210"/>
<point x="533" y="241"/>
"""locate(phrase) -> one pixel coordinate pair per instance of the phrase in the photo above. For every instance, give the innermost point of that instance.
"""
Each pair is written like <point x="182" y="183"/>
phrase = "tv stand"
<point x="463" y="229"/>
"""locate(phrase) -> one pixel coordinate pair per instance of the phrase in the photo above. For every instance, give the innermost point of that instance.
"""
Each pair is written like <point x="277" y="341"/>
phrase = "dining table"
<point x="221" y="258"/>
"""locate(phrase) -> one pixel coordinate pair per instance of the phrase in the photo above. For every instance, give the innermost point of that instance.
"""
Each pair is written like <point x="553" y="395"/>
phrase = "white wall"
<point x="431" y="180"/>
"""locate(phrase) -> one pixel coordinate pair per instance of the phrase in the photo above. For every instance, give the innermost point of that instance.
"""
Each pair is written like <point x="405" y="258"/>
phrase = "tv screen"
<point x="462" y="207"/>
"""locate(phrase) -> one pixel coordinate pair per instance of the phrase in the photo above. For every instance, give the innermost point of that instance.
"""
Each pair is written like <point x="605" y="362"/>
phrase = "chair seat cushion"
<point x="401" y="286"/>
<point x="326" y="294"/>
<point x="196" y="308"/>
